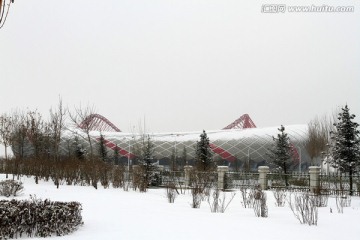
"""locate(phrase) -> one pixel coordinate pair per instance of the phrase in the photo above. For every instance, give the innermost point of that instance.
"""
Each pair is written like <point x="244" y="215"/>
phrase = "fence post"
<point x="160" y="168"/>
<point x="187" y="170"/>
<point x="314" y="172"/>
<point x="221" y="170"/>
<point x="263" y="171"/>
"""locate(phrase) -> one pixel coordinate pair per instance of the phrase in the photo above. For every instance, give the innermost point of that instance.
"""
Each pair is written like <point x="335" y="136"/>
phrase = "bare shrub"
<point x="201" y="184"/>
<point x="246" y="197"/>
<point x="260" y="207"/>
<point x="196" y="194"/>
<point x="140" y="179"/>
<point x="342" y="201"/>
<point x="180" y="188"/>
<point x="280" y="197"/>
<point x="251" y="197"/>
<point x="322" y="200"/>
<point x="217" y="201"/>
<point x="10" y="188"/>
<point x="104" y="174"/>
<point x="118" y="177"/>
<point x="171" y="192"/>
<point x="304" y="208"/>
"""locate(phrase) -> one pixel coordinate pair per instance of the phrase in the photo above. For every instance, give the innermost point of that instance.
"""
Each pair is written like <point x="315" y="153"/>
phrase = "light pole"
<point x="129" y="143"/>
<point x="299" y="149"/>
<point x="175" y="155"/>
<point x="248" y="161"/>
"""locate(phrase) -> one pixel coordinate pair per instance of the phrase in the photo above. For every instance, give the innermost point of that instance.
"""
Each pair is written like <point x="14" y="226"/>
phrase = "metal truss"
<point x="242" y="122"/>
<point x="253" y="147"/>
<point x="98" y="123"/>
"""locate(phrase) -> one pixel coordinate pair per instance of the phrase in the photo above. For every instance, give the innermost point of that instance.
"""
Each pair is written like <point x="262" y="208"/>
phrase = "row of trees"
<point x="30" y="135"/>
<point x="338" y="143"/>
<point x="26" y="131"/>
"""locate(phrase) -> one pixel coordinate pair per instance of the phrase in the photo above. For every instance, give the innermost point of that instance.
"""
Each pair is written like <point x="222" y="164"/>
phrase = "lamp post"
<point x="175" y="155"/>
<point x="129" y="151"/>
<point x="248" y="161"/>
<point x="299" y="149"/>
<point x="129" y="143"/>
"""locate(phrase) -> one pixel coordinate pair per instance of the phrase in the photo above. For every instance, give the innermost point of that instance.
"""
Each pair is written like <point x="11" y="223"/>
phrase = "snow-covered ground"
<point x="116" y="214"/>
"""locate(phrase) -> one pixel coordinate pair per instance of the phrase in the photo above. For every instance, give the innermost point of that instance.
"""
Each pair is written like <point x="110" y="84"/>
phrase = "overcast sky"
<point x="183" y="64"/>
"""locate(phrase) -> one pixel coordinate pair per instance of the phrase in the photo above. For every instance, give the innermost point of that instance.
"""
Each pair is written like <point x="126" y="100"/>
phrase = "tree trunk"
<point x="285" y="174"/>
<point x="351" y="180"/>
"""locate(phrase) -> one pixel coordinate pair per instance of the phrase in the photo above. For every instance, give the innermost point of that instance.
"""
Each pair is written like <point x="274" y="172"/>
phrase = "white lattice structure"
<point x="230" y="145"/>
<point x="239" y="142"/>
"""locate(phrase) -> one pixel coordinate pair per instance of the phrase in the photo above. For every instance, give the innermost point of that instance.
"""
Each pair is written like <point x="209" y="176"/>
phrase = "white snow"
<point x="116" y="214"/>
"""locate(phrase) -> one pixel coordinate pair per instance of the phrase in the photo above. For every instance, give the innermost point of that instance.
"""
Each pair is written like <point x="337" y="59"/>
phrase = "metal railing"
<point x="292" y="181"/>
<point x="339" y="184"/>
<point x="236" y="180"/>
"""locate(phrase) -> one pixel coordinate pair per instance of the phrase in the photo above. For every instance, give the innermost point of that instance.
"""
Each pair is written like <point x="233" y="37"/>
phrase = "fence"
<point x="339" y="184"/>
<point x="85" y="174"/>
<point x="236" y="180"/>
<point x="175" y="177"/>
<point x="312" y="181"/>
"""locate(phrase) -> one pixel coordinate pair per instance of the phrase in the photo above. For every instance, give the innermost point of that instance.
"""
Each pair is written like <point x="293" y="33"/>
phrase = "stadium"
<point x="239" y="145"/>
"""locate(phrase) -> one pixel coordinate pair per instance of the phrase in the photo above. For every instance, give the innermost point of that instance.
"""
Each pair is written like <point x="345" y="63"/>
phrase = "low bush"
<point x="260" y="206"/>
<point x="280" y="197"/>
<point x="218" y="203"/>
<point x="171" y="192"/>
<point x="10" y="188"/>
<point x="342" y="201"/>
<point x="304" y="207"/>
<point x="38" y="218"/>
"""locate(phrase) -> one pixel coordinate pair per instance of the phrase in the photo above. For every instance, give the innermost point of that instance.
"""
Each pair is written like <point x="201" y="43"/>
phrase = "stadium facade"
<point x="237" y="145"/>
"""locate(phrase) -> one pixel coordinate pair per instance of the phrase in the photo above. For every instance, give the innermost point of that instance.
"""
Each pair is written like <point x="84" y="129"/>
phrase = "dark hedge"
<point x="38" y="218"/>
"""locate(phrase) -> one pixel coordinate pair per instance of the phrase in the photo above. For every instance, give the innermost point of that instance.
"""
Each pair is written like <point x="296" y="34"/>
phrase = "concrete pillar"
<point x="160" y="168"/>
<point x="314" y="172"/>
<point x="221" y="170"/>
<point x="187" y="170"/>
<point x="263" y="171"/>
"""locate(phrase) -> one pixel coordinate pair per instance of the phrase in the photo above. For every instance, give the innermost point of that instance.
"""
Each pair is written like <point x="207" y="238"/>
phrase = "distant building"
<point x="240" y="145"/>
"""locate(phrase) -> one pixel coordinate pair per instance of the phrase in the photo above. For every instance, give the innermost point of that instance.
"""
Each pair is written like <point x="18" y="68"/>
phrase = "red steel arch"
<point x="96" y="122"/>
<point x="242" y="122"/>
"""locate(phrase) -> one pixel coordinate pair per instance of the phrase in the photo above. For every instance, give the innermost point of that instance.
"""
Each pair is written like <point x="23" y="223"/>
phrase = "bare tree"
<point x="38" y="134"/>
<point x="56" y="126"/>
<point x="5" y="132"/>
<point x="173" y="159"/>
<point x="19" y="130"/>
<point x="184" y="158"/>
<point x="318" y="137"/>
<point x="82" y="119"/>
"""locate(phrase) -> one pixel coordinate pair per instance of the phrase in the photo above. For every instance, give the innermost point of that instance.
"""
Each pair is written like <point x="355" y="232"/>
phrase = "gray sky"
<point x="183" y="64"/>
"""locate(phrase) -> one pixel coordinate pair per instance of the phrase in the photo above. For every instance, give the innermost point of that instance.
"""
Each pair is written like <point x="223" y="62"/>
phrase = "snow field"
<point x="116" y="214"/>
